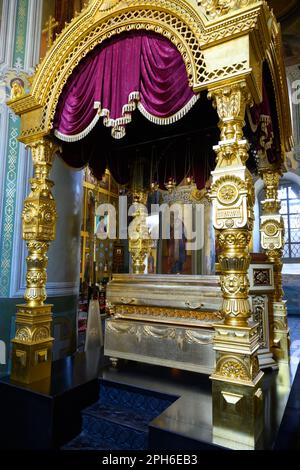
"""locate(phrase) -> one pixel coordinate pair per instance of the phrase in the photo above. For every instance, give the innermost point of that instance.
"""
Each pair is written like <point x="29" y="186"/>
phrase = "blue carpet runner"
<point x="120" y="419"/>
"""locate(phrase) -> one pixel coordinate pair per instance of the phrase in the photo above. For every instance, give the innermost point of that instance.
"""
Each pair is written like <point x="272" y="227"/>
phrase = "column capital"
<point x="44" y="150"/>
<point x="230" y="102"/>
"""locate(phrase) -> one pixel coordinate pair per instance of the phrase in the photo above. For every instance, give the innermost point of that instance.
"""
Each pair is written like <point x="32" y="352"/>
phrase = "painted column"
<point x="237" y="378"/>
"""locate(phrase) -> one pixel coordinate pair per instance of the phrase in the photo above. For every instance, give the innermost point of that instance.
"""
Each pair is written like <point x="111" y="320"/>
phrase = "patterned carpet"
<point x="120" y="419"/>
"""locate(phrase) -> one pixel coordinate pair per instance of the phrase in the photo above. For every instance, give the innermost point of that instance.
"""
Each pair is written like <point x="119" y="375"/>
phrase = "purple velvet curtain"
<point x="262" y="124"/>
<point x="141" y="70"/>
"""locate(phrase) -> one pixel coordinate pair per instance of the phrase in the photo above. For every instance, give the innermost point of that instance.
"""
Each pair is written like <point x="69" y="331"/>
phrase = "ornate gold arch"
<point x="101" y="20"/>
<point x="218" y="42"/>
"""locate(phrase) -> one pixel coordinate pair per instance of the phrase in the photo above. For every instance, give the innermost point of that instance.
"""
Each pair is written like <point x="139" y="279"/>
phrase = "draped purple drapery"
<point x="137" y="70"/>
<point x="261" y="120"/>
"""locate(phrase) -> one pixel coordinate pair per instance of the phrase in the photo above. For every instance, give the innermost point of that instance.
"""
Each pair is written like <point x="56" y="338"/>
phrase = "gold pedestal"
<point x="281" y="340"/>
<point x="237" y="414"/>
<point x="32" y="346"/>
<point x="237" y="394"/>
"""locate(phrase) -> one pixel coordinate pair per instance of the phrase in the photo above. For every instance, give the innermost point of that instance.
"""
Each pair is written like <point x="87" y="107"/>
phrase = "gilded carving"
<point x="142" y="332"/>
<point x="39" y="220"/>
<point x="230" y="102"/>
<point x="232" y="198"/>
<point x="140" y="242"/>
<point x="164" y="312"/>
<point x="41" y="334"/>
<point x="233" y="368"/>
<point x="232" y="195"/>
<point x="228" y="194"/>
<point x="217" y="8"/>
<point x="262" y="277"/>
<point x="108" y="5"/>
<point x="24" y="335"/>
<point x="272" y="241"/>
<point x="234" y="284"/>
<point x="259" y="305"/>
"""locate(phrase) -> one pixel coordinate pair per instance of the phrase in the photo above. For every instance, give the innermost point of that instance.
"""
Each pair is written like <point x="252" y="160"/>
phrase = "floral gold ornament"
<point x="232" y="368"/>
<point x="228" y="194"/>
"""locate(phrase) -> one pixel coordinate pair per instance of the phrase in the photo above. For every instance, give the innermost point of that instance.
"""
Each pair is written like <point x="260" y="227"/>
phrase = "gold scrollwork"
<point x="234" y="368"/>
<point x="217" y="8"/>
<point x="24" y="335"/>
<point x="165" y="312"/>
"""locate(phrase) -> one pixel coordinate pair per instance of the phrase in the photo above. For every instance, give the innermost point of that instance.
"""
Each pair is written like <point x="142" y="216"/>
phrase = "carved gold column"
<point x="140" y="242"/>
<point x="272" y="241"/>
<point x="32" y="346"/>
<point x="237" y="396"/>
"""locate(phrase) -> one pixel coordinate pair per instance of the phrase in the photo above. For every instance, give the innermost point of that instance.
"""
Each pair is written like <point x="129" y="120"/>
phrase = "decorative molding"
<point x="54" y="289"/>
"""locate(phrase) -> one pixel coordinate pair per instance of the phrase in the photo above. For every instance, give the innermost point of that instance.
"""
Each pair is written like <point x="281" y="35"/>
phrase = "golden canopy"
<point x="219" y="41"/>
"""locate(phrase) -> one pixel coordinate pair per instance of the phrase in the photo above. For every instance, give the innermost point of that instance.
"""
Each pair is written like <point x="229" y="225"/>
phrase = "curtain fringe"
<point x="263" y="118"/>
<point x="81" y="135"/>
<point x="170" y="119"/>
<point x="118" y="125"/>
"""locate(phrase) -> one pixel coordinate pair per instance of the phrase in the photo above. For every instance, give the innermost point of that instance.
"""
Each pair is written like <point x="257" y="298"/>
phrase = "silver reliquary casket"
<point x="163" y="319"/>
<point x="168" y="320"/>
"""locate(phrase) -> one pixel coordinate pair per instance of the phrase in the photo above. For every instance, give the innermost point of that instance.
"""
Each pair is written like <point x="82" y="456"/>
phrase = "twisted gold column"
<point x="237" y="397"/>
<point x="32" y="346"/>
<point x="272" y="241"/>
<point x="139" y="237"/>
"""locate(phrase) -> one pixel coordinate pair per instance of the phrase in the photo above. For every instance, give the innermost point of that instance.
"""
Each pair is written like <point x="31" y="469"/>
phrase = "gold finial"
<point x="49" y="29"/>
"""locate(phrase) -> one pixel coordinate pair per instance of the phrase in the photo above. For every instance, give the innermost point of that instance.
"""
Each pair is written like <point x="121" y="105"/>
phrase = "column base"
<point x="266" y="360"/>
<point x="238" y="414"/>
<point x="281" y="332"/>
<point x="32" y="346"/>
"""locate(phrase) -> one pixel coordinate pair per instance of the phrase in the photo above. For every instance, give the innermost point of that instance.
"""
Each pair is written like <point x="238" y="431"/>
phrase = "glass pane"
<point x="285" y="220"/>
<point x="286" y="237"/>
<point x="282" y="193"/>
<point x="295" y="251"/>
<point x="293" y="193"/>
<point x="294" y="221"/>
<point x="294" y="206"/>
<point x="283" y="209"/>
<point x="295" y="236"/>
<point x="286" y="253"/>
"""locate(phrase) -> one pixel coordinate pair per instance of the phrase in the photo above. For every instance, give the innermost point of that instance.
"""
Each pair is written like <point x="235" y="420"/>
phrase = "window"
<point x="289" y="195"/>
